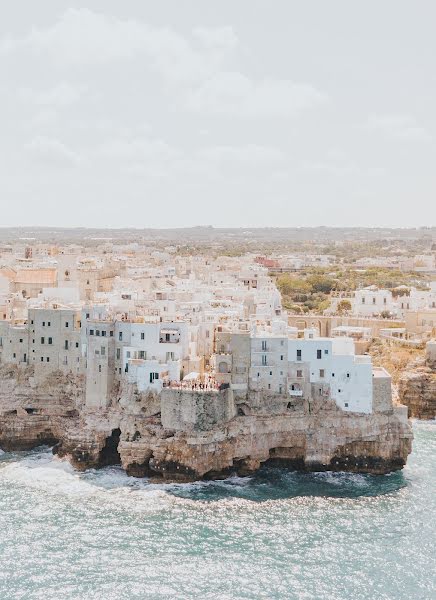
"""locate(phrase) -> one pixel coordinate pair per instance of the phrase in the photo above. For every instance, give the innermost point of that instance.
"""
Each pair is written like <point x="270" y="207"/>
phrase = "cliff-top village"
<point x="197" y="351"/>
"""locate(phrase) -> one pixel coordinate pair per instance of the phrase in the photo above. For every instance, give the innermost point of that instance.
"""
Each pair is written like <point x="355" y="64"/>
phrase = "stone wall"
<point x="185" y="410"/>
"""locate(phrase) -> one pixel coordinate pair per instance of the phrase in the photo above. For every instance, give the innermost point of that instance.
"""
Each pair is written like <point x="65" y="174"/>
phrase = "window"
<point x="66" y="344"/>
<point x="373" y="300"/>
<point x="348" y="375"/>
<point x="21" y="340"/>
<point x="31" y="322"/>
<point x="14" y="355"/>
<point x="42" y="359"/>
<point x="363" y="300"/>
<point x="270" y="373"/>
<point x="384" y="300"/>
<point x="120" y="336"/>
<point x="97" y="332"/>
<point x="333" y="374"/>
<point x="77" y="344"/>
<point x="43" y="323"/>
<point x="326" y="351"/>
<point x="99" y="368"/>
<point x="264" y="345"/>
<point x="48" y="323"/>
<point x="42" y="340"/>
<point x="87" y="316"/>
<point x="103" y="334"/>
<point x="66" y="324"/>
<point x="322" y="373"/>
<point x="299" y="374"/>
<point x="48" y="359"/>
<point x="339" y="390"/>
<point x="91" y="332"/>
<point x="298" y="354"/>
<point x="346" y="404"/>
<point x="111" y="333"/>
<point x="263" y="359"/>
<point x="50" y="341"/>
<point x="281" y="357"/>
<point x="318" y="354"/>
<point x="269" y="386"/>
<point x="128" y="353"/>
<point x="142" y="335"/>
<point x="103" y="351"/>
<point x="118" y="353"/>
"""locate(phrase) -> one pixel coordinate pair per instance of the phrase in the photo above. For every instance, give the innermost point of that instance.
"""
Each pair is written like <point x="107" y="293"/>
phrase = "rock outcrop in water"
<point x="186" y="435"/>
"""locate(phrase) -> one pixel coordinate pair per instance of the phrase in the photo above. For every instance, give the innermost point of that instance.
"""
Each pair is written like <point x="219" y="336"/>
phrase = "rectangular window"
<point x="298" y="354"/>
<point x="281" y="357"/>
<point x="299" y="374"/>
<point x="264" y="345"/>
<point x="270" y="373"/>
<point x="50" y="341"/>
<point x="91" y="332"/>
<point x="142" y="335"/>
<point x="48" y="359"/>
<point x="322" y="373"/>
<point x="103" y="351"/>
<point x="103" y="333"/>
<point x="348" y="375"/>
<point x="77" y="344"/>
<point x="128" y="353"/>
<point x="118" y="353"/>
<point x="21" y="341"/>
<point x="333" y="374"/>
<point x="42" y="340"/>
<point x="48" y="323"/>
<point x="66" y="344"/>
<point x="346" y="404"/>
<point x="326" y="351"/>
<point x="43" y="323"/>
<point x="99" y="368"/>
<point x="97" y="332"/>
<point x="263" y="359"/>
<point x="87" y="316"/>
<point x="318" y="354"/>
<point x="42" y="359"/>
<point x="120" y="336"/>
<point x="66" y="324"/>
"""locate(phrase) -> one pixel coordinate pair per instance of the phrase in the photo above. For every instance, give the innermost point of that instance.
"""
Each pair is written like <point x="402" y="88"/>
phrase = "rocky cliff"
<point x="417" y="390"/>
<point x="229" y="436"/>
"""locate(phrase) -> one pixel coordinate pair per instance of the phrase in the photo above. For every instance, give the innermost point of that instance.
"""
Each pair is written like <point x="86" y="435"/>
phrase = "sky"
<point x="226" y="113"/>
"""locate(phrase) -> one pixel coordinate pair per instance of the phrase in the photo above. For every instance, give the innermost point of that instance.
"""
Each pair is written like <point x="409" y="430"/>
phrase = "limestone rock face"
<point x="219" y="435"/>
<point x="417" y="390"/>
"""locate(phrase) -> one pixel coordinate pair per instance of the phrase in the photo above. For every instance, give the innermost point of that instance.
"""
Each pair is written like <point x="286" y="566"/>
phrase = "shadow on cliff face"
<point x="109" y="454"/>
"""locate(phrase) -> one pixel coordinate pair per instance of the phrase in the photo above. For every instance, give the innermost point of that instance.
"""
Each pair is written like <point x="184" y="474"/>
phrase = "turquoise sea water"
<point x="101" y="535"/>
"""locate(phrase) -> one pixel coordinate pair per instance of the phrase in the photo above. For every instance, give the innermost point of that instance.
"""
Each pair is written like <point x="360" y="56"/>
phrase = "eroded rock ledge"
<point x="137" y="434"/>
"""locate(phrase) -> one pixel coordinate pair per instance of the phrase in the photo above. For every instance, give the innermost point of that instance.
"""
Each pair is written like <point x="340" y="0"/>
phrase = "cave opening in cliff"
<point x="109" y="454"/>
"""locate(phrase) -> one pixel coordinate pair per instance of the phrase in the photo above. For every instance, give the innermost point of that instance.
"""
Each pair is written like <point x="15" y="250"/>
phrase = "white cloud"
<point x="61" y="95"/>
<point x="82" y="37"/>
<point x="51" y="152"/>
<point x="400" y="127"/>
<point x="249" y="153"/>
<point x="234" y="94"/>
<point x="223" y="38"/>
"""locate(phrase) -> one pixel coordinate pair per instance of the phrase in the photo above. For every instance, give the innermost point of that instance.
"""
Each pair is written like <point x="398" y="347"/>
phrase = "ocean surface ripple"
<point x="101" y="535"/>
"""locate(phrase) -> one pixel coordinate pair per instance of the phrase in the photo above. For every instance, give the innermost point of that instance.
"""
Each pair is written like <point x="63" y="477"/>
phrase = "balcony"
<point x="296" y="393"/>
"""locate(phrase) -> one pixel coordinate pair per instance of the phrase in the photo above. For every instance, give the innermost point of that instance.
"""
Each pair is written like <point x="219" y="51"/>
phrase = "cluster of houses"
<point x="153" y="318"/>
